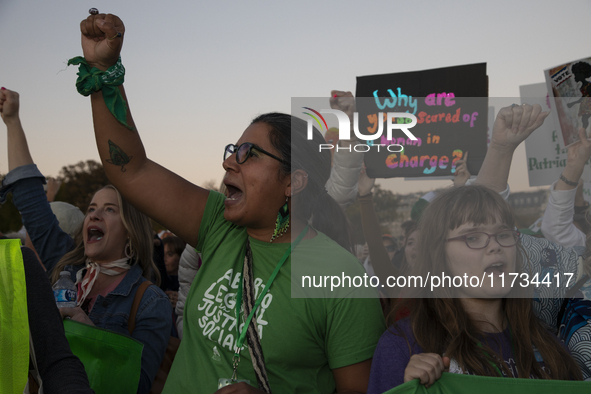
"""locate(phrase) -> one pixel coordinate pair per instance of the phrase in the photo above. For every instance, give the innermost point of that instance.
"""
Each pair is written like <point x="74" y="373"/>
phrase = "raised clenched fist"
<point x="102" y="39"/>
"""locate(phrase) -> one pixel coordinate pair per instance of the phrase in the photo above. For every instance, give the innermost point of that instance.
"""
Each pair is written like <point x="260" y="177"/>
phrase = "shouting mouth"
<point x="495" y="268"/>
<point x="233" y="194"/>
<point x="95" y="234"/>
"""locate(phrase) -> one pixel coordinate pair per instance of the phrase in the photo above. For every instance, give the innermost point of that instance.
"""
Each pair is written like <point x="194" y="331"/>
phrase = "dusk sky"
<point x="198" y="72"/>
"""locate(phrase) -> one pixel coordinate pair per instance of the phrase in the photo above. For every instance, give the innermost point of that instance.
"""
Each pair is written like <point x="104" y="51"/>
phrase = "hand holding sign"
<point x="76" y="314"/>
<point x="366" y="183"/>
<point x="580" y="151"/>
<point x="343" y="101"/>
<point x="514" y="124"/>
<point x="462" y="174"/>
<point x="427" y="367"/>
<point x="578" y="155"/>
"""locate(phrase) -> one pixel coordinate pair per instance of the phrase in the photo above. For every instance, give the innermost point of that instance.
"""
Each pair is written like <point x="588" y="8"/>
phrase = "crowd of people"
<point x="223" y="283"/>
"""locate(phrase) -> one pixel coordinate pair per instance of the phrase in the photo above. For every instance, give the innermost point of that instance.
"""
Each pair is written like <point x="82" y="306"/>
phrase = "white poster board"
<point x="546" y="155"/>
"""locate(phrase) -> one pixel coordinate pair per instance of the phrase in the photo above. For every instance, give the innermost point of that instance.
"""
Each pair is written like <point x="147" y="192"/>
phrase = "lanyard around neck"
<point x="242" y="335"/>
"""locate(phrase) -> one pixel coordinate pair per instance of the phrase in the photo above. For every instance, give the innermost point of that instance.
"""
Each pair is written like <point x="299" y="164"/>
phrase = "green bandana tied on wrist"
<point x="91" y="80"/>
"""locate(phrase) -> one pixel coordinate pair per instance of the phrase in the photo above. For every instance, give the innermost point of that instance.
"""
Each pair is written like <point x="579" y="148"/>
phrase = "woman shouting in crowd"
<point x="109" y="258"/>
<point x="275" y="179"/>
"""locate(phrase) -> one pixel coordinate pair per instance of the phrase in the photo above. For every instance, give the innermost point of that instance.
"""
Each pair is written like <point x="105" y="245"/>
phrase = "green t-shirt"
<point x="302" y="338"/>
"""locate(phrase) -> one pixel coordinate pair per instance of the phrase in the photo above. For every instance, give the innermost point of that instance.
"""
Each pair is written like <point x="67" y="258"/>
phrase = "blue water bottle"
<point x="64" y="291"/>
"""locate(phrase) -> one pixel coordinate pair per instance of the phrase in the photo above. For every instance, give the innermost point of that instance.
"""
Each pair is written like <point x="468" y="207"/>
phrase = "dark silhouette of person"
<point x="582" y="71"/>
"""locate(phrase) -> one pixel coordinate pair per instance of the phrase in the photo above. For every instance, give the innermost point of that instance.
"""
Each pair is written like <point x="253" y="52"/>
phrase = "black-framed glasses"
<point x="478" y="240"/>
<point x="243" y="152"/>
<point x="391" y="248"/>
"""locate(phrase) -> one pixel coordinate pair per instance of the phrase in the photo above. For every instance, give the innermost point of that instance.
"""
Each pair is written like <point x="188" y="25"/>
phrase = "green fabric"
<point x="14" y="319"/>
<point x="112" y="361"/>
<point x="302" y="339"/>
<point x="91" y="80"/>
<point x="451" y="383"/>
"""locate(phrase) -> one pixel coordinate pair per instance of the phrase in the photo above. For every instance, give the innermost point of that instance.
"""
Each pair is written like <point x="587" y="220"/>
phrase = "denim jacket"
<point x="50" y="242"/>
<point x="154" y="315"/>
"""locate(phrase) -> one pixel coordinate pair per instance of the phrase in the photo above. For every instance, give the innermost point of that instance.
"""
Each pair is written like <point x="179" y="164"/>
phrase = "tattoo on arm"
<point x="118" y="157"/>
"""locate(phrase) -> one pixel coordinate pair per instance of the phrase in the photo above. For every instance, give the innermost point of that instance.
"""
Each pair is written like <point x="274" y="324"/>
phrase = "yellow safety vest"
<point x="14" y="320"/>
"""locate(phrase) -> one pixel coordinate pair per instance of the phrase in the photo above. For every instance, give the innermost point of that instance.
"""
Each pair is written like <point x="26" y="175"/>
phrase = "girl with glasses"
<point x="242" y="328"/>
<point x="488" y="330"/>
<point x="486" y="327"/>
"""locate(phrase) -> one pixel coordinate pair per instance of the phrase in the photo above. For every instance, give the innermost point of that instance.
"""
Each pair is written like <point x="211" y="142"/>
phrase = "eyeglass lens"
<point x="228" y="151"/>
<point x="481" y="240"/>
<point x="243" y="152"/>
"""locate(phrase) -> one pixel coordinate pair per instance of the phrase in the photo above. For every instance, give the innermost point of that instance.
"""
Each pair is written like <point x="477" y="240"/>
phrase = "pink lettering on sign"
<point x="438" y="98"/>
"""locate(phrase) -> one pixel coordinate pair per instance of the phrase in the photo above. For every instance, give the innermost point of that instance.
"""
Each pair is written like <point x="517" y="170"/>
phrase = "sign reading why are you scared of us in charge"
<point x="450" y="106"/>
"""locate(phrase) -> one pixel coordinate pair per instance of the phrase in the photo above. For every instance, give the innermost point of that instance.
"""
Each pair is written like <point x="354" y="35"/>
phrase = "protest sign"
<point x="546" y="156"/>
<point x="450" y="106"/>
<point x="544" y="148"/>
<point x="568" y="85"/>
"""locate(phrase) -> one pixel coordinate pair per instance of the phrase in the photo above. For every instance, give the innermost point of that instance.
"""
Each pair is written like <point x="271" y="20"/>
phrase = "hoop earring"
<point x="129" y="250"/>
<point x="282" y="222"/>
